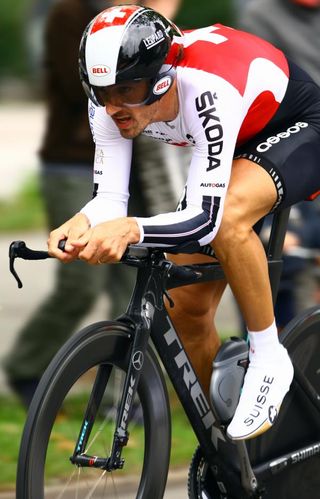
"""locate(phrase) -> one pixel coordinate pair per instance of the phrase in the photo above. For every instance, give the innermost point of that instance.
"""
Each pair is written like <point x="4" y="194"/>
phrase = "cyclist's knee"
<point x="235" y="233"/>
<point x="188" y="303"/>
<point x="194" y="311"/>
<point x="236" y="224"/>
<point x="198" y="301"/>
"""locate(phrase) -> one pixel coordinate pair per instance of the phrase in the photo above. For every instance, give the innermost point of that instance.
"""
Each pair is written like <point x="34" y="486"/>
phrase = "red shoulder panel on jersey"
<point x="259" y="114"/>
<point x="231" y="58"/>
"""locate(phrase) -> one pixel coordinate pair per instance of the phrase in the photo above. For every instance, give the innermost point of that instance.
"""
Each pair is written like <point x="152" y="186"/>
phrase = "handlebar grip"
<point x="137" y="251"/>
<point x="62" y="244"/>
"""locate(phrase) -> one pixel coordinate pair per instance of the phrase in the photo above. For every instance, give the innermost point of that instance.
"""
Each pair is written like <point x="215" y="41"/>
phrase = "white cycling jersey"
<point x="230" y="85"/>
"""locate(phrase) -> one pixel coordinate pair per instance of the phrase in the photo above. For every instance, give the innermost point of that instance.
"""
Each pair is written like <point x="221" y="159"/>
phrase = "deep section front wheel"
<point x="56" y="417"/>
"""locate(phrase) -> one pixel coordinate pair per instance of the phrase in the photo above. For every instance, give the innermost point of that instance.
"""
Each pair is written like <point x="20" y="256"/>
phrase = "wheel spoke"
<point x="90" y="494"/>
<point x="65" y="488"/>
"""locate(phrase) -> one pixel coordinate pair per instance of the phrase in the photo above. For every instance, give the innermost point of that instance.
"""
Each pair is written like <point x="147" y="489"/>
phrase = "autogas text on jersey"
<point x="212" y="184"/>
<point x="211" y="124"/>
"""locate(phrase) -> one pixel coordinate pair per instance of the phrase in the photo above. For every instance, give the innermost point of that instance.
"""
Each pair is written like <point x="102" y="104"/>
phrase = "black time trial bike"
<point x="101" y="373"/>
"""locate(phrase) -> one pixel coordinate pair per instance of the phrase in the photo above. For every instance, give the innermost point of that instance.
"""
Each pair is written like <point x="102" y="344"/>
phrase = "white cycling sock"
<point x="266" y="382"/>
<point x="263" y="343"/>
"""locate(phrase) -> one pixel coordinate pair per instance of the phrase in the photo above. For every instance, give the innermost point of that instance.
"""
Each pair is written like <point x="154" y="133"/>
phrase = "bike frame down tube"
<point x="181" y="372"/>
<point x="187" y="386"/>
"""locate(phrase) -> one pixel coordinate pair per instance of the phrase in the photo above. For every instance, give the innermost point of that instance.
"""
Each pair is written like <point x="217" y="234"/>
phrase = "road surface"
<point x="176" y="489"/>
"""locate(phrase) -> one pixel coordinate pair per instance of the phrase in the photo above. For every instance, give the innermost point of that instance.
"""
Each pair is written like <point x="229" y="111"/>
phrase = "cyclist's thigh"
<point x="290" y="155"/>
<point x="251" y="195"/>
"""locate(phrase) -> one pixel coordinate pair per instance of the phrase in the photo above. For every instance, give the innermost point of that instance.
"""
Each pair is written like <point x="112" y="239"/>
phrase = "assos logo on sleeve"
<point x="212" y="128"/>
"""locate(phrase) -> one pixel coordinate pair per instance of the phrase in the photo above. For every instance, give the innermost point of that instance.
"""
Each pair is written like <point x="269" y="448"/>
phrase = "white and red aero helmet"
<point x="124" y="43"/>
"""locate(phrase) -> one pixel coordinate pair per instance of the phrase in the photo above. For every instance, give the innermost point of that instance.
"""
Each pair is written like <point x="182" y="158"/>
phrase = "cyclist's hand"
<point x="71" y="230"/>
<point x="107" y="241"/>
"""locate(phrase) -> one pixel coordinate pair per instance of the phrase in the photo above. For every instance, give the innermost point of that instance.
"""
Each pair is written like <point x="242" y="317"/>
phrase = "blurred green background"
<point x="12" y="43"/>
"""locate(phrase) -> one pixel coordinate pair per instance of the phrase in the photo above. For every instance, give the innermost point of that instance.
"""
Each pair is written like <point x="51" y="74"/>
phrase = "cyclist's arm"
<point x="105" y="214"/>
<point x="112" y="163"/>
<point x="214" y="119"/>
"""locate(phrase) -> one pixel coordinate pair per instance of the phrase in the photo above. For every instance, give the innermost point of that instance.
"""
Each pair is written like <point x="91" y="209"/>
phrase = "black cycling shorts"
<point x="288" y="148"/>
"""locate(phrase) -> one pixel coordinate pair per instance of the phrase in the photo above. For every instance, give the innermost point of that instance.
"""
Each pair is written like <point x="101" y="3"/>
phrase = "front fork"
<point x="147" y="294"/>
<point x="121" y="434"/>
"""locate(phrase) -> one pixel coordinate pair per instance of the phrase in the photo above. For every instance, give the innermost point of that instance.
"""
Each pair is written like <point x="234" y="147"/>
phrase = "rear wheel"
<point x="56" y="416"/>
<point x="299" y="423"/>
<point x="297" y="426"/>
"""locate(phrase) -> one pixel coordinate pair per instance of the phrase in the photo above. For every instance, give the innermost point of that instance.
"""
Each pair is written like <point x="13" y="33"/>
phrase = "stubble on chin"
<point x="129" y="134"/>
<point x="133" y="132"/>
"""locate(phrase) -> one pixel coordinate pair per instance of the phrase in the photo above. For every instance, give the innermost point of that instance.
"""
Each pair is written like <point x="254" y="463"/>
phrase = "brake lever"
<point x="14" y="249"/>
<point x="18" y="249"/>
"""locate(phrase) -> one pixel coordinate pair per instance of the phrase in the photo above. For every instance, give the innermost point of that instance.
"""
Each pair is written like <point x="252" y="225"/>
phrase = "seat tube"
<point x="275" y="248"/>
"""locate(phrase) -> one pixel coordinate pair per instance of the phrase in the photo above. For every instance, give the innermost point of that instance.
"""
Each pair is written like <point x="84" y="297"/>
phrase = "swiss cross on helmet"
<point x="126" y="43"/>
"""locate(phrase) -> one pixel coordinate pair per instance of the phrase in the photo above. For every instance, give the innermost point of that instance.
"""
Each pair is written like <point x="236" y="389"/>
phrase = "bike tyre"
<point x="104" y="342"/>
<point x="303" y="481"/>
<point x="298" y="423"/>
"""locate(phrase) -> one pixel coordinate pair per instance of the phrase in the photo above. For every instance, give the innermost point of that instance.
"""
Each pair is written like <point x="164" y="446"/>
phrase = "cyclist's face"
<point x="125" y="94"/>
<point x="123" y="104"/>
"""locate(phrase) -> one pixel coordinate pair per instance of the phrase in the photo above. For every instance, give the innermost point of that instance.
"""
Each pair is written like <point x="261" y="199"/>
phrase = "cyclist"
<point x="253" y="120"/>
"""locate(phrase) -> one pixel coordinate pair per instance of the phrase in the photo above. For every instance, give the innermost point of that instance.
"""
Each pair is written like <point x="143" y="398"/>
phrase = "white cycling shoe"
<point x="265" y="386"/>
